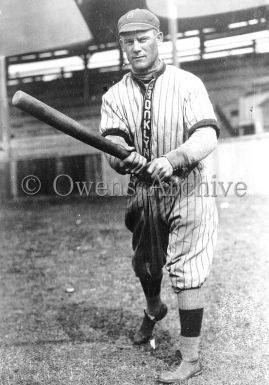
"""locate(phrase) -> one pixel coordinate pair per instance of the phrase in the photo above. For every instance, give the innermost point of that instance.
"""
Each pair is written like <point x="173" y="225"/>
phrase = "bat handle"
<point x="121" y="152"/>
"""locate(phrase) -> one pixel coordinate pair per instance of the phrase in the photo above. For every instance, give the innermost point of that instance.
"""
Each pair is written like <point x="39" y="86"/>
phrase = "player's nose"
<point x="136" y="46"/>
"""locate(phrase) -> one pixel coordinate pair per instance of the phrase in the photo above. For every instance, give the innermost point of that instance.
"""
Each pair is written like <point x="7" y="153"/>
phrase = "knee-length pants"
<point x="173" y="225"/>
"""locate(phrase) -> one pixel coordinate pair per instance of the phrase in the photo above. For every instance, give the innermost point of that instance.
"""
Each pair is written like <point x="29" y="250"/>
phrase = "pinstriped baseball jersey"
<point x="180" y="104"/>
<point x="177" y="228"/>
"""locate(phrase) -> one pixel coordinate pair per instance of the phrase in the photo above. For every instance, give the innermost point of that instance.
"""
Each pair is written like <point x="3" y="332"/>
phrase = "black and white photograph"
<point x="134" y="192"/>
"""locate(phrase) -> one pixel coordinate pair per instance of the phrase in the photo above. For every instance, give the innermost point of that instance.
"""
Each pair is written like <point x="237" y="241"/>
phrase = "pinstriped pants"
<point x="173" y="225"/>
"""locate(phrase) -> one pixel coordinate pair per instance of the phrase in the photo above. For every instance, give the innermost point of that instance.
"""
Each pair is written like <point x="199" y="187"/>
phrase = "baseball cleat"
<point x="144" y="334"/>
<point x="182" y="372"/>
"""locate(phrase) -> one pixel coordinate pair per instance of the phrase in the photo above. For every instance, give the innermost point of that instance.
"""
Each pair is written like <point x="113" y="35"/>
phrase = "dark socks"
<point x="191" y="306"/>
<point x="191" y="322"/>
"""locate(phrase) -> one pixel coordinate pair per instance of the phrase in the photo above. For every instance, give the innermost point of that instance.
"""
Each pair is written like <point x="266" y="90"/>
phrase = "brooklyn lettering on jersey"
<point x="156" y="120"/>
<point x="146" y="122"/>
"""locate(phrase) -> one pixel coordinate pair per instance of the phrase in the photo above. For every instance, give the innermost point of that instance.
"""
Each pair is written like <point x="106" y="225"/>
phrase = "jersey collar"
<point x="146" y="79"/>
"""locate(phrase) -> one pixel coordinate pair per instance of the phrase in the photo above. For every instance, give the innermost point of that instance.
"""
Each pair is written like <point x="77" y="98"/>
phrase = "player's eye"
<point x="128" y="42"/>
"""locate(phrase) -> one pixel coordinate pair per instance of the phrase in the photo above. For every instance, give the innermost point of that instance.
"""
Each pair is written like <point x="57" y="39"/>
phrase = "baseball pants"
<point x="173" y="225"/>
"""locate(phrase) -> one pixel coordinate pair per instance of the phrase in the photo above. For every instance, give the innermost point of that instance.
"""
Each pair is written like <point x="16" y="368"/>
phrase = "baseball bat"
<point x="69" y="126"/>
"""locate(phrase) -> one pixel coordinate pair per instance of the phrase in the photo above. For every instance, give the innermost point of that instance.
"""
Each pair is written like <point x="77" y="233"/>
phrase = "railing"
<point x="210" y="43"/>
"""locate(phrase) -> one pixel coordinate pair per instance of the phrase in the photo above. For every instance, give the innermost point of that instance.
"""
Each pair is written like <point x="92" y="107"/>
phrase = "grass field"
<point x="49" y="336"/>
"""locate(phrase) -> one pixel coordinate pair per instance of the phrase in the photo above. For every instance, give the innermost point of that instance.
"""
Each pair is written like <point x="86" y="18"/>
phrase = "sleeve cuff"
<point x="205" y="123"/>
<point x="117" y="132"/>
<point x="178" y="159"/>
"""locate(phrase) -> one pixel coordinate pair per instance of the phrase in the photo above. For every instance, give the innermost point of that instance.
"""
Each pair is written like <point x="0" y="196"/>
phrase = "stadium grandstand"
<point x="227" y="48"/>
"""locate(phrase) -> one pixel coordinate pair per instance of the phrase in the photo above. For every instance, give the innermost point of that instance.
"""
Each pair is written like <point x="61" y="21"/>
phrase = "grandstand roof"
<point x="102" y="15"/>
<point x="26" y="28"/>
<point x="186" y="9"/>
<point x="40" y="25"/>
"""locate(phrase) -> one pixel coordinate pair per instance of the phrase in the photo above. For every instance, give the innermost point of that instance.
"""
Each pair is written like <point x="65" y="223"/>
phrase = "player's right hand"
<point x="134" y="163"/>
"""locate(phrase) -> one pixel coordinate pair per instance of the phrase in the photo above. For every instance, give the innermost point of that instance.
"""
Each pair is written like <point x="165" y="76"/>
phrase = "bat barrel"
<point x="69" y="126"/>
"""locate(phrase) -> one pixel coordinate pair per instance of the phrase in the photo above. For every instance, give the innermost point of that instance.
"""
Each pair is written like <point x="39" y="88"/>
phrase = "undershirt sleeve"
<point x="202" y="142"/>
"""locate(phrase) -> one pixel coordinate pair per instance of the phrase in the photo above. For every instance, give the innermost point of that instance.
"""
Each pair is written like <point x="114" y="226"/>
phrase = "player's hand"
<point x="160" y="168"/>
<point x="134" y="163"/>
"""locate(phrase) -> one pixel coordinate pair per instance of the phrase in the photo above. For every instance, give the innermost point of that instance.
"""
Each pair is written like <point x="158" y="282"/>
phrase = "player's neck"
<point x="150" y="73"/>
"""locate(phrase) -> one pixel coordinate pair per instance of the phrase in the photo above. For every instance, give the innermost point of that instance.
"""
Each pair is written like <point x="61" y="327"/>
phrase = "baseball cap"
<point x="138" y="20"/>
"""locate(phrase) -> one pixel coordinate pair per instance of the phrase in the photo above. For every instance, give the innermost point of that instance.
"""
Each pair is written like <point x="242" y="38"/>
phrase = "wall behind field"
<point x="242" y="159"/>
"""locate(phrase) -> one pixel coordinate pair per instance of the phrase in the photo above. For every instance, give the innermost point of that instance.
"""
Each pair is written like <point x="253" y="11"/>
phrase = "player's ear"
<point x="159" y="37"/>
<point x="121" y="43"/>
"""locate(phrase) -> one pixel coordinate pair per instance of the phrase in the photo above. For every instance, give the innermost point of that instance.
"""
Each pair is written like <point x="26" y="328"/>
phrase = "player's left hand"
<point x="160" y="168"/>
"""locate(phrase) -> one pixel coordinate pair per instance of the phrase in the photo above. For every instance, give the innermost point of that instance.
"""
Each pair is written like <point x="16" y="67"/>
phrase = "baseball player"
<point x="163" y="115"/>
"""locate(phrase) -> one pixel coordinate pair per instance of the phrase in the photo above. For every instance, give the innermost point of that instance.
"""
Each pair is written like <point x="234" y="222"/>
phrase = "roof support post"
<point x="4" y="108"/>
<point x="173" y="30"/>
<point x="10" y="182"/>
<point x="86" y="90"/>
<point x="202" y="43"/>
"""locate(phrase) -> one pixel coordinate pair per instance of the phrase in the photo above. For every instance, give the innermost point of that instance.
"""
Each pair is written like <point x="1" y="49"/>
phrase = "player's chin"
<point x="140" y="67"/>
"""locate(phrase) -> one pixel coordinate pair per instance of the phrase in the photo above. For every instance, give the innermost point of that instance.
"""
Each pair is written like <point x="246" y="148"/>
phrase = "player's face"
<point x="141" y="48"/>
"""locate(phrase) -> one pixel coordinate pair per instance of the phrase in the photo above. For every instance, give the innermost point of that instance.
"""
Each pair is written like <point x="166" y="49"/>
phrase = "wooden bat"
<point x="69" y="126"/>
